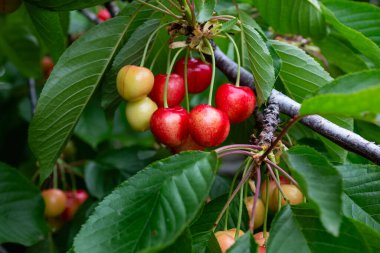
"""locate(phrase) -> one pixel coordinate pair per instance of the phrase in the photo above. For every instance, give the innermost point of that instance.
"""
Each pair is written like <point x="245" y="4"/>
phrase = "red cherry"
<point x="198" y="74"/>
<point x="74" y="200"/>
<point x="208" y="126"/>
<point x="170" y="125"/>
<point x="176" y="90"/>
<point x="104" y="15"/>
<point x="187" y="145"/>
<point x="47" y="66"/>
<point x="262" y="249"/>
<point x="238" y="102"/>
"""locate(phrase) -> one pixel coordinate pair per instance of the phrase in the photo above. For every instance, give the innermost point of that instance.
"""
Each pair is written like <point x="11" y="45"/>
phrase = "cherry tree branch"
<point x="341" y="136"/>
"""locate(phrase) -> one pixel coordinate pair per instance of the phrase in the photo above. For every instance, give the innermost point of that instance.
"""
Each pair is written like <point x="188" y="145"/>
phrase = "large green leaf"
<point x="358" y="40"/>
<point x="130" y="54"/>
<point x="337" y="52"/>
<point x="21" y="209"/>
<point x="298" y="229"/>
<point x="300" y="73"/>
<point x="361" y="186"/>
<point x="49" y="27"/>
<point x="362" y="17"/>
<point x="245" y="243"/>
<point x="354" y="95"/>
<point x="302" y="17"/>
<point x="260" y="60"/>
<point x="311" y="170"/>
<point x="204" y="9"/>
<point x="181" y="245"/>
<point x="152" y="209"/>
<point x="72" y="83"/>
<point x="65" y="5"/>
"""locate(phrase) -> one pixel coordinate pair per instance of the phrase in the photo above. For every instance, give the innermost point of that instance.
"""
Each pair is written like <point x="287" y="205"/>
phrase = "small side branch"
<point x="32" y="94"/>
<point x="339" y="135"/>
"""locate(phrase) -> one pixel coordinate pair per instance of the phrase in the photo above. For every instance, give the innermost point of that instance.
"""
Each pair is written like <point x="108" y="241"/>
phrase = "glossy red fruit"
<point x="208" y="126"/>
<point x="47" y="65"/>
<point x="170" y="126"/>
<point x="187" y="145"/>
<point x="55" y="202"/>
<point x="74" y="200"/>
<point x="198" y="74"/>
<point x="176" y="90"/>
<point x="104" y="15"/>
<point x="238" y="102"/>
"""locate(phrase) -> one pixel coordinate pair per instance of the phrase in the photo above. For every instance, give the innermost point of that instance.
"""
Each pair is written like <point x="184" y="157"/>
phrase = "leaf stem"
<point x="168" y="71"/>
<point x="237" y="83"/>
<point x="213" y="71"/>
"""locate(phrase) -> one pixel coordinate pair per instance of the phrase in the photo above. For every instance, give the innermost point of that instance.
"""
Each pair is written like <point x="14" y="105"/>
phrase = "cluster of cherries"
<point x="63" y="204"/>
<point x="291" y="193"/>
<point x="170" y="123"/>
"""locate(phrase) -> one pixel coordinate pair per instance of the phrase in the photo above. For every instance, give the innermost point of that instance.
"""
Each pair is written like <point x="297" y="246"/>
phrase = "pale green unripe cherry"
<point x="134" y="82"/>
<point x="139" y="112"/>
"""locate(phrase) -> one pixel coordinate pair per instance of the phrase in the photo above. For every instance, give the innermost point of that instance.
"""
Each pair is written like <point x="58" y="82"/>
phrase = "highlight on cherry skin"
<point x="170" y="126"/>
<point x="176" y="90"/>
<point x="139" y="113"/>
<point x="55" y="202"/>
<point x="198" y="74"/>
<point x="238" y="102"/>
<point x="208" y="126"/>
<point x="134" y="82"/>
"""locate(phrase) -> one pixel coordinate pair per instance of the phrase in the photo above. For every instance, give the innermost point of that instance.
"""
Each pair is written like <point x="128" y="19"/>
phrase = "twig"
<point x="32" y="94"/>
<point x="339" y="135"/>
<point x="112" y="8"/>
<point x="90" y="16"/>
<point x="282" y="171"/>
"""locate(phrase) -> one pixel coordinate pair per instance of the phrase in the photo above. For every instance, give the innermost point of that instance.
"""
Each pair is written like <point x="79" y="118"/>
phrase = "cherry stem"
<point x="237" y="83"/>
<point x="55" y="177"/>
<point x="175" y="5"/>
<point x="62" y="172"/>
<point x="239" y="146"/>
<point x="235" y="152"/>
<point x="232" y="187"/>
<point x="276" y="180"/>
<point x="241" y="199"/>
<point x="280" y="136"/>
<point x="186" y="81"/>
<point x="282" y="171"/>
<point x="255" y="198"/>
<point x="266" y="207"/>
<point x="164" y="7"/>
<point x="241" y="183"/>
<point x="168" y="71"/>
<point x="213" y="71"/>
<point x="159" y="9"/>
<point x="148" y="43"/>
<point x="191" y="12"/>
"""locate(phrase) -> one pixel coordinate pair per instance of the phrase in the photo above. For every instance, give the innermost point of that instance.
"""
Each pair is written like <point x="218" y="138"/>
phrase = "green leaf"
<point x="301" y="17"/>
<point x="362" y="17"/>
<point x="130" y="54"/>
<point x="21" y="209"/>
<point x="361" y="186"/>
<point x="245" y="243"/>
<point x="311" y="170"/>
<point x="337" y="52"/>
<point x="228" y="25"/>
<point x="71" y="85"/>
<point x="300" y="73"/>
<point x="367" y="130"/>
<point x="358" y="40"/>
<point x="354" y="95"/>
<point x="371" y="236"/>
<point x="152" y="209"/>
<point x="49" y="27"/>
<point x="181" y="245"/>
<point x="92" y="126"/>
<point x="204" y="9"/>
<point x="65" y="5"/>
<point x="260" y="60"/>
<point x="298" y="229"/>
<point x="19" y="44"/>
